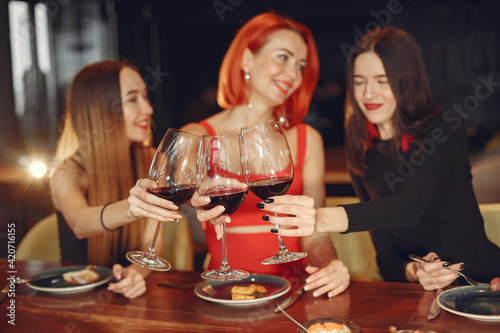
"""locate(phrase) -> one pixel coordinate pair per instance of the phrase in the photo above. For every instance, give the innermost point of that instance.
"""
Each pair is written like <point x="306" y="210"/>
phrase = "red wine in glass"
<point x="266" y="188"/>
<point x="230" y="198"/>
<point x="178" y="194"/>
<point x="221" y="177"/>
<point x="173" y="169"/>
<point x="269" y="166"/>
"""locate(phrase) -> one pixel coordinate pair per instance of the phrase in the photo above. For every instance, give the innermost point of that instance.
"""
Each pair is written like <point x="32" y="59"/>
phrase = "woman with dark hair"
<point x="409" y="167"/>
<point x="404" y="77"/>
<point x="99" y="182"/>
<point x="269" y="74"/>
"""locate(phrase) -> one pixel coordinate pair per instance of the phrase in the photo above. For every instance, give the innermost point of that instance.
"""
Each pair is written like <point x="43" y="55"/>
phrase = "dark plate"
<point x="475" y="302"/>
<point x="352" y="326"/>
<point x="59" y="286"/>
<point x="276" y="287"/>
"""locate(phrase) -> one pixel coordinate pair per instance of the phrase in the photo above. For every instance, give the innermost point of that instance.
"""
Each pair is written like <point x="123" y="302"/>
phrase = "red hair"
<point x="252" y="35"/>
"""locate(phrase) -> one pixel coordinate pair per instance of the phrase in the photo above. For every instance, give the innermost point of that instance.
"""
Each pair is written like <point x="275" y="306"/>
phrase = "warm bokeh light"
<point x="38" y="169"/>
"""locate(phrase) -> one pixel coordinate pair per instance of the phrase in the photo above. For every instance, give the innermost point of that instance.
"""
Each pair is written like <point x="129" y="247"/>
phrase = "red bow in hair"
<point x="373" y="134"/>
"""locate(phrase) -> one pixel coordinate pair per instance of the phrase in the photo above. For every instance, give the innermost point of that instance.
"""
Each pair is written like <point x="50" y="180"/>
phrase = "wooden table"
<point x="372" y="305"/>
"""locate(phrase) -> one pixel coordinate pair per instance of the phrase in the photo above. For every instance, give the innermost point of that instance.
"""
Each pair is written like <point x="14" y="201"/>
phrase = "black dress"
<point x="74" y="250"/>
<point x="423" y="201"/>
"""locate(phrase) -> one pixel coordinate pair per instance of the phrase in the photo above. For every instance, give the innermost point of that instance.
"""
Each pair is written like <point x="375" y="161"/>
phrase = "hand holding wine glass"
<point x="270" y="172"/>
<point x="174" y="171"/>
<point x="221" y="177"/>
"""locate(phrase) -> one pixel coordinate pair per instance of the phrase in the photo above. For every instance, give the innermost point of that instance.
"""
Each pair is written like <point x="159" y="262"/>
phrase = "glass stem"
<point x="224" y="265"/>
<point x="151" y="250"/>
<point x="282" y="247"/>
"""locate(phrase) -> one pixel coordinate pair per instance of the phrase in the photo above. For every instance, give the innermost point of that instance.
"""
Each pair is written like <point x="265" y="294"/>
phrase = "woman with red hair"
<point x="269" y="74"/>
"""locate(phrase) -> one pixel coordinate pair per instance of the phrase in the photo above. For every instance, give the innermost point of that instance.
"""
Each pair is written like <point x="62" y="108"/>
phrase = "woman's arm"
<point x="68" y="193"/>
<point x="404" y="207"/>
<point x="300" y="212"/>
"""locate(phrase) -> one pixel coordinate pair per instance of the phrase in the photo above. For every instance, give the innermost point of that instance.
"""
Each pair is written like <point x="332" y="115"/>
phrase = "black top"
<point x="74" y="250"/>
<point x="422" y="202"/>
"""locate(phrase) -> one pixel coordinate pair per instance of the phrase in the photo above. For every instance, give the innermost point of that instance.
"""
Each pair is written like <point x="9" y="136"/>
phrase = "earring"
<point x="247" y="75"/>
<point x="283" y="120"/>
<point x="250" y="105"/>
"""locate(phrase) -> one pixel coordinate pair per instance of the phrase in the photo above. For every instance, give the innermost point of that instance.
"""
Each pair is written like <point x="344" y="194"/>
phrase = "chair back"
<point x="178" y="245"/>
<point x="41" y="242"/>
<point x="491" y="216"/>
<point x="485" y="171"/>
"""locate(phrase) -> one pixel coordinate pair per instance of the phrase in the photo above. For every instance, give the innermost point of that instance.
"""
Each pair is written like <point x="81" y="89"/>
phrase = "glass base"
<point x="284" y="257"/>
<point x="142" y="259"/>
<point x="225" y="274"/>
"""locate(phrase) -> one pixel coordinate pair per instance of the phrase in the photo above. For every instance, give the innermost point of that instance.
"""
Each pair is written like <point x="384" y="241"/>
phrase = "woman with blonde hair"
<point x="105" y="147"/>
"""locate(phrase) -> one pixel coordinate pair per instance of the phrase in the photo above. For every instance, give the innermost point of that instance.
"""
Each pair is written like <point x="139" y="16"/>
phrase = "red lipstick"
<point x="286" y="83"/>
<point x="281" y="89"/>
<point x="372" y="106"/>
<point x="143" y="127"/>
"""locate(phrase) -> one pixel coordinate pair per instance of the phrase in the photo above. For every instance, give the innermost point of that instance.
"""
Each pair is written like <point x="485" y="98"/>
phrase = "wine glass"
<point x="221" y="177"/>
<point x="270" y="172"/>
<point x="174" y="170"/>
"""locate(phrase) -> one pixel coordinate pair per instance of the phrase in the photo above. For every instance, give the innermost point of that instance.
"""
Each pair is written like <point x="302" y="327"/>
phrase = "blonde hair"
<point x="94" y="131"/>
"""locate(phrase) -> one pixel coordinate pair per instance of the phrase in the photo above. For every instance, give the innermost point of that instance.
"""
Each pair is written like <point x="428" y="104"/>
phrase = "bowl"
<point x="352" y="326"/>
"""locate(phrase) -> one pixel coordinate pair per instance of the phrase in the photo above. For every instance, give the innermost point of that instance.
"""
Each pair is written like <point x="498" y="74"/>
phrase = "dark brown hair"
<point x="407" y="77"/>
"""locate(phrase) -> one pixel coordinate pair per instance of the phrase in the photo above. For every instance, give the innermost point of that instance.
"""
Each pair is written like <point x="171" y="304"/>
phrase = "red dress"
<point x="246" y="251"/>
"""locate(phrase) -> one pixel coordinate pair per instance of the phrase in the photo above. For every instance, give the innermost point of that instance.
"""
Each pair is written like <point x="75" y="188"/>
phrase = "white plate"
<point x="276" y="287"/>
<point x="59" y="286"/>
<point x="475" y="302"/>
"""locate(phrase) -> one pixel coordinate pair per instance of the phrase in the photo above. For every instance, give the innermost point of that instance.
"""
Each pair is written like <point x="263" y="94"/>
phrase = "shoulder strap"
<point x="207" y="126"/>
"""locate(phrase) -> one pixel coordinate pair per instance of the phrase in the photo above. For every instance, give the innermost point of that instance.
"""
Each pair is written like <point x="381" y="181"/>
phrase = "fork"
<point x="207" y="288"/>
<point x="291" y="318"/>
<point x="470" y="280"/>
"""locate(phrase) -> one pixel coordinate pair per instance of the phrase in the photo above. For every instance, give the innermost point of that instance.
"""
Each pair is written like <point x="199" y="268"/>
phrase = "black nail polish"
<point x="269" y="200"/>
<point x="260" y="205"/>
<point x="265" y="218"/>
<point x="436" y="259"/>
<point x="462" y="266"/>
<point x="446" y="264"/>
<point x="274" y="231"/>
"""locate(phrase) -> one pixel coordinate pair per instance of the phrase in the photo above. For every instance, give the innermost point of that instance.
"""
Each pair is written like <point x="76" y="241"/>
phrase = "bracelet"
<point x="102" y="223"/>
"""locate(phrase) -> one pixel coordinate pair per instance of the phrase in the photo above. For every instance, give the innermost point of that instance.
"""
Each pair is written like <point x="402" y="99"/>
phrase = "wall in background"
<point x="459" y="40"/>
